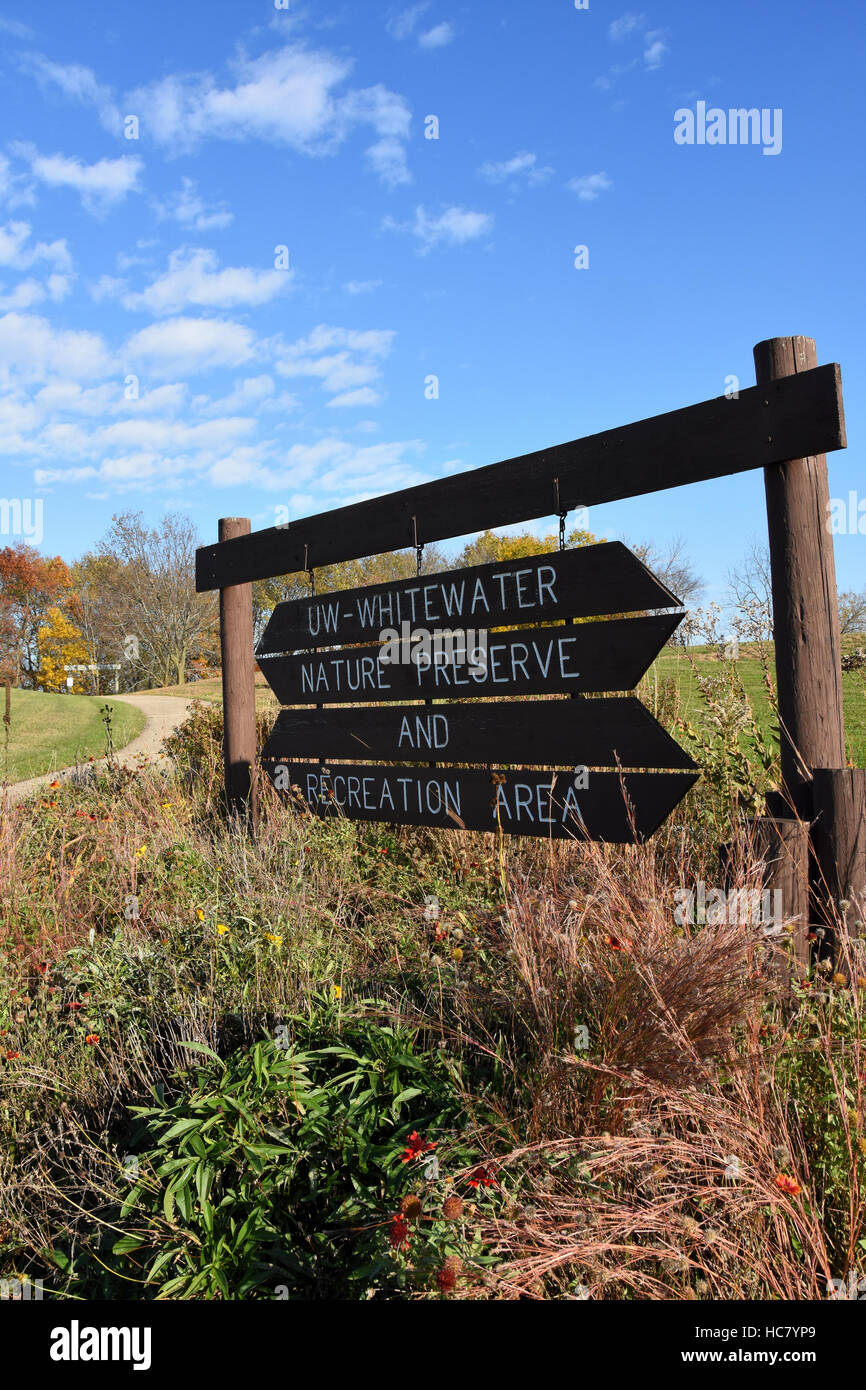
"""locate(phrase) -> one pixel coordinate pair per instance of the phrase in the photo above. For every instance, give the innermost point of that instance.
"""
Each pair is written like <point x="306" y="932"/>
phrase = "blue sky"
<point x="148" y="264"/>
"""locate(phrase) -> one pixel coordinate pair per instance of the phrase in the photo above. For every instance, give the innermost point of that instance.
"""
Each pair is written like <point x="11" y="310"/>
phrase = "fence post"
<point x="805" y="605"/>
<point x="808" y="656"/>
<point x="239" y="689"/>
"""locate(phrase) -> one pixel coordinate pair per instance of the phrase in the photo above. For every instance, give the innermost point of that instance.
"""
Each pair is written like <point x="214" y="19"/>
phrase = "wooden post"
<point x="239" y="688"/>
<point x="805" y="607"/>
<point x="784" y="847"/>
<point x="839" y="842"/>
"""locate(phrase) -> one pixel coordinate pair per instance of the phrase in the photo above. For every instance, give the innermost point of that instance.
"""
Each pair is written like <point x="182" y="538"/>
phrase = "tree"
<point x="60" y="645"/>
<point x="488" y="548"/>
<point x="30" y="584"/>
<point x="750" y="593"/>
<point x="671" y="565"/>
<point x="154" y="598"/>
<point x="852" y="611"/>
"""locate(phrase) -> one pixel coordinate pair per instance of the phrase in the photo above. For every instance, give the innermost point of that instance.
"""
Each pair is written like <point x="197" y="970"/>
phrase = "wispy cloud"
<point x="453" y="227"/>
<point x="193" y="280"/>
<point x="625" y="25"/>
<point x="99" y="185"/>
<point x="522" y="165"/>
<point x="437" y="37"/>
<point x="186" y="207"/>
<point x="589" y="186"/>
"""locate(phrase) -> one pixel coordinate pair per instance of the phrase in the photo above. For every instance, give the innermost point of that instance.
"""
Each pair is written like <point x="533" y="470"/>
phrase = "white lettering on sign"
<point x="439" y="600"/>
<point x="431" y="731"/>
<point x="511" y="661"/>
<point x="434" y="796"/>
<point x="338" y="673"/>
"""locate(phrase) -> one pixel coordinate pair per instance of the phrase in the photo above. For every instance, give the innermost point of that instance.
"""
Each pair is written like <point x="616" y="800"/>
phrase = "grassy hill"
<point x="50" y="732"/>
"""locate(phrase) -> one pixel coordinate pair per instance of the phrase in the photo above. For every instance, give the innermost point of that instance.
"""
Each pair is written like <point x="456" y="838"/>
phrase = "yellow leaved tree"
<point x="60" y="644"/>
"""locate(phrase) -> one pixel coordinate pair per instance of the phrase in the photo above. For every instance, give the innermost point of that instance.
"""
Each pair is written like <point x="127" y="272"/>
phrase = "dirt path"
<point x="162" y="714"/>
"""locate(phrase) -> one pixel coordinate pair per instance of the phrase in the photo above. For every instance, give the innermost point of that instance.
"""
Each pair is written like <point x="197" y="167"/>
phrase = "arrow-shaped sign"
<point x="532" y="661"/>
<point x="617" y="808"/>
<point x="592" y="733"/>
<point x="589" y="581"/>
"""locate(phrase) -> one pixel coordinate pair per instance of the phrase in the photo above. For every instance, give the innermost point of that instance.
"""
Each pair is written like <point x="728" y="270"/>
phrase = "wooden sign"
<point x="532" y="661"/>
<point x="607" y="732"/>
<point x="617" y="808"/>
<point x="580" y="583"/>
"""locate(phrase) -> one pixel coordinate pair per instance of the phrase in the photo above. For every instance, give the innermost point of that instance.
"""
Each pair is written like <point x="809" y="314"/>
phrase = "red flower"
<point x="482" y="1176"/>
<point x="73" y="1004"/>
<point x="787" y="1184"/>
<point x="398" y="1232"/>
<point x="10" y="1056"/>
<point x="613" y="942"/>
<point x="415" y="1146"/>
<point x="92" y="1039"/>
<point x="446" y="1277"/>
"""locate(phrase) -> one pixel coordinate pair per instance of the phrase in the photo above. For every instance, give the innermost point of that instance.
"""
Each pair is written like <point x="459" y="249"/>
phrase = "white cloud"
<point x="76" y="82"/>
<point x="403" y="23"/>
<point x="17" y="252"/>
<point x="15" y="28"/>
<point x="287" y="96"/>
<point x="15" y="189"/>
<point x="349" y="372"/>
<point x="365" y="395"/>
<point x="24" y="296"/>
<point x="182" y="346"/>
<point x="194" y="280"/>
<point x="655" y="48"/>
<point x="452" y="227"/>
<point x="33" y="349"/>
<point x="589" y="186"/>
<point x="437" y="37"/>
<point x="250" y="392"/>
<point x="186" y="207"/>
<point x="100" y="185"/>
<point x="523" y="163"/>
<point x="625" y="25"/>
<point x="361" y="286"/>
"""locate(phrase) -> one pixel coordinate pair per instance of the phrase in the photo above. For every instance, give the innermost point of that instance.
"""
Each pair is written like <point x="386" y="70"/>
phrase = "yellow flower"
<point x="166" y="805"/>
<point x="277" y="940"/>
<point x="338" y="991"/>
<point x="199" y="914"/>
<point x="222" y="930"/>
<point x="457" y="954"/>
<point x="141" y="851"/>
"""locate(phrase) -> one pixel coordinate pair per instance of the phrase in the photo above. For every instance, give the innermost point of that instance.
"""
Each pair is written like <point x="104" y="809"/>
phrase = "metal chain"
<point x="419" y="547"/>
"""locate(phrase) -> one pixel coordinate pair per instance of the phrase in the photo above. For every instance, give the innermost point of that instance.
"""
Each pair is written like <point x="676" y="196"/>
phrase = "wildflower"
<point x="415" y="1146"/>
<point x="439" y="934"/>
<point x="73" y="1004"/>
<point x="338" y="991"/>
<point x="840" y="979"/>
<point x="398" y="1232"/>
<point x="613" y="942"/>
<point x="452" y="1208"/>
<point x="199" y="914"/>
<point x="10" y="1055"/>
<point x="222" y="929"/>
<point x="787" y="1184"/>
<point x="411" y="1207"/>
<point x="166" y="805"/>
<point x="141" y="852"/>
<point x="276" y="940"/>
<point x="92" y="1039"/>
<point x="52" y="785"/>
<point x="457" y="954"/>
<point x="446" y="1277"/>
<point x="482" y="1176"/>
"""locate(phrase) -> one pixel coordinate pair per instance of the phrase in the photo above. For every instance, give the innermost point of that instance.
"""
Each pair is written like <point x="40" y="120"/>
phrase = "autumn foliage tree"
<point x="60" y="644"/>
<point x="30" y="585"/>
